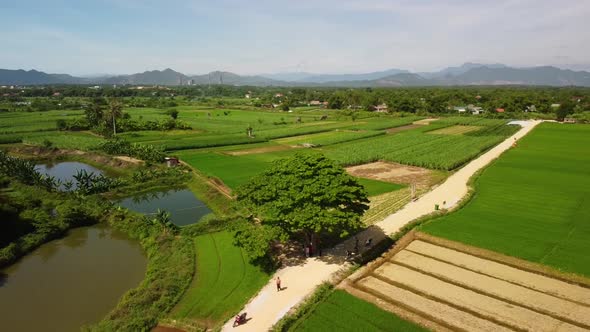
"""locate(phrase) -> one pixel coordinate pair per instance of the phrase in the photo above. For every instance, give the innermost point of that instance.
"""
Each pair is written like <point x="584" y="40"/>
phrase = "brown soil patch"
<point x="449" y="288"/>
<point x="455" y="130"/>
<point x="130" y="160"/>
<point x="402" y="128"/>
<point x="259" y="150"/>
<point x="424" y="122"/>
<point x="395" y="173"/>
<point x="37" y="152"/>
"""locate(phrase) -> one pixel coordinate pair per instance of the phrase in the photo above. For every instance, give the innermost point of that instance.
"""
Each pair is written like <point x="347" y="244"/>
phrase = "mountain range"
<point x="466" y="74"/>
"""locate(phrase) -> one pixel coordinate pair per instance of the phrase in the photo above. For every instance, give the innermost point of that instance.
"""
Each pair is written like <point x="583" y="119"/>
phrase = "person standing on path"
<point x="278" y="284"/>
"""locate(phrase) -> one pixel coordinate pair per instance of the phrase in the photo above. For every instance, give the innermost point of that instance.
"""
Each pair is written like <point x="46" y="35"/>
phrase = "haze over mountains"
<point x="466" y="74"/>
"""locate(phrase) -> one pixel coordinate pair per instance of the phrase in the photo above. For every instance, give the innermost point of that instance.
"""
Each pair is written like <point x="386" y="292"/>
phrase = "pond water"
<point x="182" y="204"/>
<point x="70" y="282"/>
<point x="65" y="171"/>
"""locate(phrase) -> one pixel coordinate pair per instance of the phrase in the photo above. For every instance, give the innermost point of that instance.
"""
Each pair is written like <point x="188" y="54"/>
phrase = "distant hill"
<point x="524" y="76"/>
<point x="454" y="71"/>
<point x="324" y="78"/>
<point x="154" y="77"/>
<point x="466" y="74"/>
<point x="33" y="77"/>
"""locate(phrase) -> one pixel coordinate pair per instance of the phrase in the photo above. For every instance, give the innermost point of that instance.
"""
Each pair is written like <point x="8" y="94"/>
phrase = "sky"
<point x="87" y="37"/>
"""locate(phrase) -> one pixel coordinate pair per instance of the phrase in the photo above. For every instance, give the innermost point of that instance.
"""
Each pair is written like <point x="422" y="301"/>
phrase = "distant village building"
<point x="381" y="108"/>
<point x="476" y="110"/>
<point x="460" y="109"/>
<point x="555" y="105"/>
<point x="530" y="108"/>
<point x="569" y="120"/>
<point x="315" y="103"/>
<point x="279" y="95"/>
<point x="247" y="96"/>
<point x="500" y="110"/>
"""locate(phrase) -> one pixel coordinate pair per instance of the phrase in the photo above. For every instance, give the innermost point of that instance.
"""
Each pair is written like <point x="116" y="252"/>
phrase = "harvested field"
<point x="402" y="128"/>
<point x="453" y="289"/>
<point x="263" y="149"/>
<point x="455" y="130"/>
<point x="396" y="173"/>
<point x="424" y="122"/>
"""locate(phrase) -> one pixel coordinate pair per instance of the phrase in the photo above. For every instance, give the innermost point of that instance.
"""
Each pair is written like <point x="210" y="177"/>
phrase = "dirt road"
<point x="269" y="305"/>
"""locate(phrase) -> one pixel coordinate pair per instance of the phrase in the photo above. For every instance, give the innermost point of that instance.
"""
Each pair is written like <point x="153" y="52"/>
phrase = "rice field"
<point x="533" y="202"/>
<point x="444" y="286"/>
<point x="420" y="148"/>
<point x="224" y="281"/>
<point x="344" y="312"/>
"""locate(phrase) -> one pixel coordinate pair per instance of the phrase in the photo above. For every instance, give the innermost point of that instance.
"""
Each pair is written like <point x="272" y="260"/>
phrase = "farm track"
<point x="267" y="307"/>
<point x="459" y="291"/>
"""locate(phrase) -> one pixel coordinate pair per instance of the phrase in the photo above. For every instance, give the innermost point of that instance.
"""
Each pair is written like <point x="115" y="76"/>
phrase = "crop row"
<point x="415" y="148"/>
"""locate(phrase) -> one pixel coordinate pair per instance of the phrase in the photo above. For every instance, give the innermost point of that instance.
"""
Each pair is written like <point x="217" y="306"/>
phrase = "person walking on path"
<point x="278" y="284"/>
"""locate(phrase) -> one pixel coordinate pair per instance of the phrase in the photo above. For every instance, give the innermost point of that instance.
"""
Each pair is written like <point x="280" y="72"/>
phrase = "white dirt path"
<point x="268" y="306"/>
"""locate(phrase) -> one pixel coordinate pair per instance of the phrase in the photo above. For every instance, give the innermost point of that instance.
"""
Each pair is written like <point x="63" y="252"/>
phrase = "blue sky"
<point x="254" y="36"/>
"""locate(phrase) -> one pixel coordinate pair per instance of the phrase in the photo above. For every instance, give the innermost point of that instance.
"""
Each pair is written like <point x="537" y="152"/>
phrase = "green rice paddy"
<point x="224" y="281"/>
<point x="533" y="202"/>
<point x="344" y="312"/>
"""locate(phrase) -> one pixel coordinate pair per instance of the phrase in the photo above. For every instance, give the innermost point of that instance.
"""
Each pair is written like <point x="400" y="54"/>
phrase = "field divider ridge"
<point x="447" y="303"/>
<point x="423" y="313"/>
<point x="497" y="277"/>
<point x="543" y="270"/>
<point x="498" y="297"/>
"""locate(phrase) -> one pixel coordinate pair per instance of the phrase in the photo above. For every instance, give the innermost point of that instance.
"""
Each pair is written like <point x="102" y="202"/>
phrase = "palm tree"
<point x="115" y="111"/>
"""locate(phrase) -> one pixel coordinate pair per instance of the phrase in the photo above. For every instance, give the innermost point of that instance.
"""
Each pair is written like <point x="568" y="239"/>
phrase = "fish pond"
<point x="70" y="282"/>
<point x="65" y="171"/>
<point x="182" y="204"/>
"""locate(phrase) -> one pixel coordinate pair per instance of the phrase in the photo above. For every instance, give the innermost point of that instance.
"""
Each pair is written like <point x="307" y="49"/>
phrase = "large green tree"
<point x="306" y="196"/>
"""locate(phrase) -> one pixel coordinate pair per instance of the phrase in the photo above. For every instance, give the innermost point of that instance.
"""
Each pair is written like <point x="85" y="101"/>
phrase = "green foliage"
<point x="169" y="273"/>
<point x="122" y="147"/>
<point x="256" y="240"/>
<point x="532" y="202"/>
<point x="306" y="193"/>
<point x="173" y="113"/>
<point x="33" y="216"/>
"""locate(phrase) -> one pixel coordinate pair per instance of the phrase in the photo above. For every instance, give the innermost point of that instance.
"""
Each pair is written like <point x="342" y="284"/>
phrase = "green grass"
<point x="66" y="140"/>
<point x="375" y="187"/>
<point x="328" y="138"/>
<point x="533" y="202"/>
<point x="224" y="281"/>
<point x="25" y="122"/>
<point x="344" y="312"/>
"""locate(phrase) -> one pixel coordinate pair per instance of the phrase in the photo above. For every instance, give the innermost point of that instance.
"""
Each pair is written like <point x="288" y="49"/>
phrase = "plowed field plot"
<point x="397" y="173"/>
<point x="454" y="289"/>
<point x="455" y="130"/>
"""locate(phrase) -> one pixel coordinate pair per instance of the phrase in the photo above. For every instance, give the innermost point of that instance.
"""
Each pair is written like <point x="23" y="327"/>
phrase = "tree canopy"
<point x="307" y="195"/>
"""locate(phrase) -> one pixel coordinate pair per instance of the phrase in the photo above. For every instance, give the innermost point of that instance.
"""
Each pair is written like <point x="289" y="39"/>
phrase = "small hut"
<point x="171" y="161"/>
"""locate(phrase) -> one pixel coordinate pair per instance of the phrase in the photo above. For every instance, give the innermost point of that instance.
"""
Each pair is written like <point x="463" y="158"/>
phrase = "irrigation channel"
<point x="77" y="280"/>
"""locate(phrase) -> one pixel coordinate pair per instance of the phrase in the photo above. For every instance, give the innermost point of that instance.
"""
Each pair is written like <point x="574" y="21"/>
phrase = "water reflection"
<point x="65" y="171"/>
<point x="182" y="204"/>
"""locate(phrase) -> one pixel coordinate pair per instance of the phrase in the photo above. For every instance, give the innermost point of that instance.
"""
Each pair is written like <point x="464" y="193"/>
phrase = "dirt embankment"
<point x="38" y="152"/>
